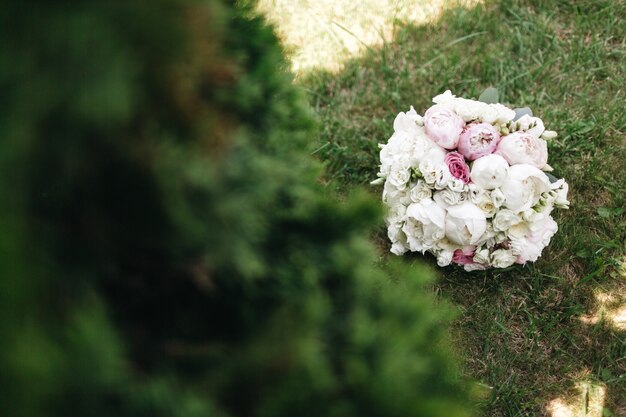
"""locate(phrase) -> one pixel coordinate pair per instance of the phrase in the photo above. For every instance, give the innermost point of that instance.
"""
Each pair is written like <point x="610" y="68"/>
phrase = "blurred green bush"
<point x="166" y="249"/>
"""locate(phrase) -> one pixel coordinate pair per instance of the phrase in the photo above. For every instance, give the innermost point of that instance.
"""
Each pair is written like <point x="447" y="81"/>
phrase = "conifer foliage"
<point x="166" y="247"/>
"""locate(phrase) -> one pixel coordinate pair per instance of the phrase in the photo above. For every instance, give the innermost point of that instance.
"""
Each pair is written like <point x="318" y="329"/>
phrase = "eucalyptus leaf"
<point x="522" y="111"/>
<point x="489" y="96"/>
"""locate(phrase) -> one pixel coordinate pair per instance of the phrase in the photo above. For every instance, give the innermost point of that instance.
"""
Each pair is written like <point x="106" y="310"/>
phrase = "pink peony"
<point x="464" y="256"/>
<point x="523" y="148"/>
<point x="457" y="166"/>
<point x="443" y="126"/>
<point x="478" y="139"/>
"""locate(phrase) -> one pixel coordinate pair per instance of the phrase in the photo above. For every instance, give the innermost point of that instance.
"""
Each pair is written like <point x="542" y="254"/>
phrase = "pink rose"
<point x="523" y="148"/>
<point x="443" y="126"/>
<point x="464" y="256"/>
<point x="478" y="139"/>
<point x="457" y="166"/>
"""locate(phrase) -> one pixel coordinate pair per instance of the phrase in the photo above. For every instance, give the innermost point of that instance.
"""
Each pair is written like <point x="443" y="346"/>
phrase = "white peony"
<point x="529" y="239"/>
<point x="502" y="258"/>
<point x="424" y="226"/>
<point x="504" y="219"/>
<point x="523" y="187"/>
<point x="465" y="223"/>
<point x="489" y="171"/>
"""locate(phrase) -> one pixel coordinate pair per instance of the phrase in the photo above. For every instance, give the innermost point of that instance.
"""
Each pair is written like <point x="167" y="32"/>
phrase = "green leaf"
<point x="604" y="212"/>
<point x="489" y="96"/>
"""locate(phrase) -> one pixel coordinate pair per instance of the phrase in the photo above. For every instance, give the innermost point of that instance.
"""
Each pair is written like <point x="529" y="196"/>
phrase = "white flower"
<point x="457" y="185"/>
<point x="497" y="198"/>
<point x="429" y="171"/>
<point x="444" y="257"/>
<point x="489" y="171"/>
<point x="447" y="197"/>
<point x="475" y="193"/>
<point x="443" y="177"/>
<point x="393" y="195"/>
<point x="502" y="258"/>
<point x="538" y="128"/>
<point x="424" y="226"/>
<point x="481" y="256"/>
<point x="505" y="114"/>
<point x="560" y="188"/>
<point x="486" y="205"/>
<point x="399" y="176"/>
<point x="529" y="239"/>
<point x="523" y="187"/>
<point x="396" y="213"/>
<point x="474" y="267"/>
<point x="465" y="223"/>
<point x="398" y="248"/>
<point x="504" y="219"/>
<point x="407" y="122"/>
<point x="420" y="191"/>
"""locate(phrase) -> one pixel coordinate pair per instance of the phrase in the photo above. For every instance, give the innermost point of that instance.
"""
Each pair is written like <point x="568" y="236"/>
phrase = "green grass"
<point x="546" y="332"/>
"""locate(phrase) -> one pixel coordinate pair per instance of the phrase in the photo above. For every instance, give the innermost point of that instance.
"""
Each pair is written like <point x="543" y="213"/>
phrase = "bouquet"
<point x="469" y="182"/>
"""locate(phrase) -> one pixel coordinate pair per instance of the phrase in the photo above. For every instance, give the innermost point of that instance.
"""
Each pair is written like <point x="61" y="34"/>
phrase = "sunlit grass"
<point x="588" y="402"/>
<point x="325" y="33"/>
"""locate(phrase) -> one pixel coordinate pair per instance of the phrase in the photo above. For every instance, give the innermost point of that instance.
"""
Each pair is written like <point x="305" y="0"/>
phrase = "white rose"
<point x="398" y="248"/>
<point x="502" y="258"/>
<point x="396" y="213"/>
<point x="465" y="223"/>
<point x="446" y="198"/>
<point x="444" y="257"/>
<point x="475" y="193"/>
<point x="399" y="176"/>
<point x="497" y="198"/>
<point x="523" y="187"/>
<point x="424" y="226"/>
<point x="486" y="205"/>
<point x="429" y="171"/>
<point x="420" y="191"/>
<point x="481" y="256"/>
<point x="504" y="219"/>
<point x="392" y="195"/>
<point x="489" y="171"/>
<point x="457" y="185"/>
<point x="443" y="177"/>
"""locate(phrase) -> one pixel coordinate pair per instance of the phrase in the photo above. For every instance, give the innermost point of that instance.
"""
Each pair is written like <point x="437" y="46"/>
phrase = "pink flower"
<point x="464" y="256"/>
<point x="457" y="166"/>
<point x="523" y="148"/>
<point x="478" y="139"/>
<point x="443" y="126"/>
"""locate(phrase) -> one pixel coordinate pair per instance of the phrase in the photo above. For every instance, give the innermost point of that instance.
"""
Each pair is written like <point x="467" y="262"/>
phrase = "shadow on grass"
<point x="529" y="333"/>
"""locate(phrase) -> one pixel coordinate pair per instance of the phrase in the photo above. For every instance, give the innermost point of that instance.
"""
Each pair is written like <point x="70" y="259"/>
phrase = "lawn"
<point x="544" y="339"/>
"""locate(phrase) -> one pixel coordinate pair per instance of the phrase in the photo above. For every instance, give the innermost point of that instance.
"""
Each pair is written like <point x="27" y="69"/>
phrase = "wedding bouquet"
<point x="469" y="183"/>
